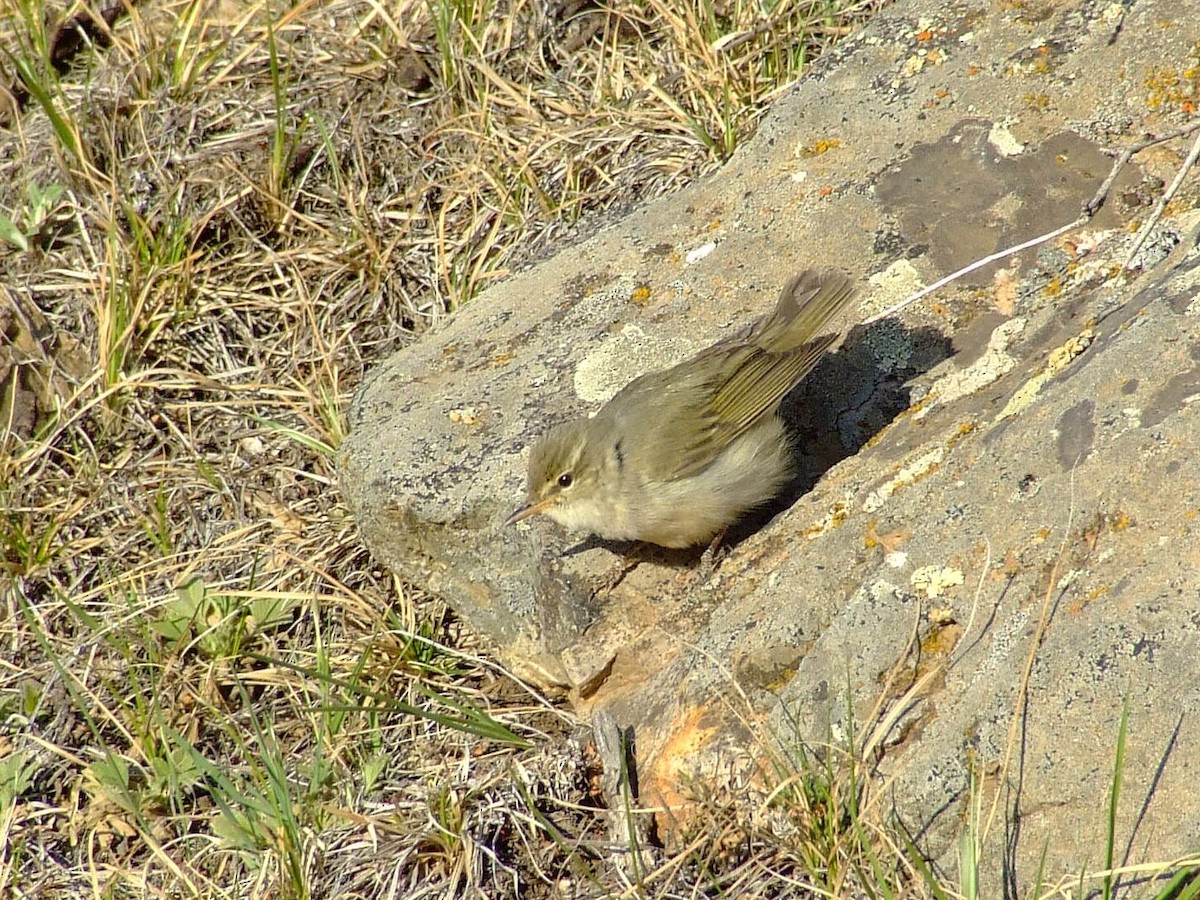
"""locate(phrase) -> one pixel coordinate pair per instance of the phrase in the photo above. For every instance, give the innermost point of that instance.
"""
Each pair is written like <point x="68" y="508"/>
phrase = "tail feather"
<point x="808" y="304"/>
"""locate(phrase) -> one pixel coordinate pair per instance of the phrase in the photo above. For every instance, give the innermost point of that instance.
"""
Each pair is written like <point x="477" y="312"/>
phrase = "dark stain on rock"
<point x="1076" y="434"/>
<point x="1129" y="386"/>
<point x="586" y="283"/>
<point x="1179" y="290"/>
<point x="1028" y="486"/>
<point x="966" y="200"/>
<point x="969" y="344"/>
<point x="770" y="667"/>
<point x="1170" y="397"/>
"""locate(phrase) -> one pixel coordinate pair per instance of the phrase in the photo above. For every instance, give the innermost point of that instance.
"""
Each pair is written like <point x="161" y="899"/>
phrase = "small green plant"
<point x="150" y="287"/>
<point x="839" y="837"/>
<point x="260" y="811"/>
<point x="218" y="623"/>
<point x="970" y="840"/>
<point x="40" y="84"/>
<point x="156" y="525"/>
<point x="157" y="784"/>
<point x="16" y="775"/>
<point x="1110" y="846"/>
<point x="28" y="542"/>
<point x="30" y="226"/>
<point x="329" y="416"/>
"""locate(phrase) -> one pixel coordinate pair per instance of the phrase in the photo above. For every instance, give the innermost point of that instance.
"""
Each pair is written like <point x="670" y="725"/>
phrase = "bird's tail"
<point x="809" y="303"/>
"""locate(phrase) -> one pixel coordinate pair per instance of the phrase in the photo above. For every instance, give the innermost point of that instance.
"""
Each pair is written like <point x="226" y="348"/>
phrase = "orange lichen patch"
<point x="875" y="438"/>
<point x="839" y="511"/>
<point x="1118" y="522"/>
<point x="935" y="648"/>
<point x="871" y="541"/>
<point x="1166" y="87"/>
<point x="1077" y="606"/>
<point x="941" y="616"/>
<point x="964" y="428"/>
<point x="1004" y="291"/>
<point x="816" y="148"/>
<point x="921" y="476"/>
<point x="890" y="541"/>
<point x="693" y="729"/>
<point x="464" y="416"/>
<point x="640" y="295"/>
<point x="1060" y="357"/>
<point x="825" y="192"/>
<point x="1038" y="66"/>
<point x="938" y="98"/>
<point x="1178" y="206"/>
<point x="925" y="35"/>
<point x="941" y="640"/>
<point x="910" y="473"/>
<point x="1010" y="568"/>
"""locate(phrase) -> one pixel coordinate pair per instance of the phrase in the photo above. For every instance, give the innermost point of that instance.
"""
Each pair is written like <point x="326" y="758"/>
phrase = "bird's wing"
<point x="757" y="386"/>
<point x="686" y="419"/>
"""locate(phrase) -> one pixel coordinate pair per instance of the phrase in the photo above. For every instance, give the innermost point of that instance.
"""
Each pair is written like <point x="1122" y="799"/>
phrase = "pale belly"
<point x="685" y="512"/>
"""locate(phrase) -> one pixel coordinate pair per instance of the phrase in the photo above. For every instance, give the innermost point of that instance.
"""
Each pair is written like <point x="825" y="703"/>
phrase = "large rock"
<point x="1004" y="488"/>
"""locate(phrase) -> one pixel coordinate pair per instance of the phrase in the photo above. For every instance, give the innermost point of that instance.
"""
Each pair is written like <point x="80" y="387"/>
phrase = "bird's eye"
<point x="565" y="480"/>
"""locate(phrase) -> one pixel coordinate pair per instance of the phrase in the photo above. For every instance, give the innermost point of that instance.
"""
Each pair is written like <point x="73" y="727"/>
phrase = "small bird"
<point x="679" y="455"/>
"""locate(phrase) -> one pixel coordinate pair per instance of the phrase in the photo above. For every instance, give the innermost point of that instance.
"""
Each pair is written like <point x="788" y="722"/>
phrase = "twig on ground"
<point x="1148" y="225"/>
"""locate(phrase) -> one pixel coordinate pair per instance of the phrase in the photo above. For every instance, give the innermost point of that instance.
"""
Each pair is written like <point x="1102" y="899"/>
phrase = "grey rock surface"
<point x="1005" y="497"/>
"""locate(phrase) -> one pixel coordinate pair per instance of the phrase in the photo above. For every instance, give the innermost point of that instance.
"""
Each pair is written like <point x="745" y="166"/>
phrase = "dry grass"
<point x="215" y="217"/>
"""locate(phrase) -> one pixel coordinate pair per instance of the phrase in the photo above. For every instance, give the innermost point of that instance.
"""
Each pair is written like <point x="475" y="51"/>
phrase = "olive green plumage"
<point x="679" y="455"/>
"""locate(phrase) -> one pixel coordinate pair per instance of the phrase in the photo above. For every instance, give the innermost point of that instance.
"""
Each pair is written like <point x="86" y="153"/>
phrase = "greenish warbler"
<point x="679" y="455"/>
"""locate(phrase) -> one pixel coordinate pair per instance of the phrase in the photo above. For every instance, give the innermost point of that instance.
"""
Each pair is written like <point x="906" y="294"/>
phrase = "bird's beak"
<point x="529" y="509"/>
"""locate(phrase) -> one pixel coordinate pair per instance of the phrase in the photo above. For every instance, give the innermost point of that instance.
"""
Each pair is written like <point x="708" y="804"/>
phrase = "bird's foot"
<point x="629" y="561"/>
<point x="711" y="558"/>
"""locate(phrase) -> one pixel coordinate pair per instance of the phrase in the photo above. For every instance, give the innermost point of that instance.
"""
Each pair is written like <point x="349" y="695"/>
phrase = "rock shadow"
<point x="851" y="395"/>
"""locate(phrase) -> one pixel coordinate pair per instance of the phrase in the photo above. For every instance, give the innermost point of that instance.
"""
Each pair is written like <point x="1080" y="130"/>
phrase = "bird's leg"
<point x="630" y="560"/>
<point x="708" y="559"/>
